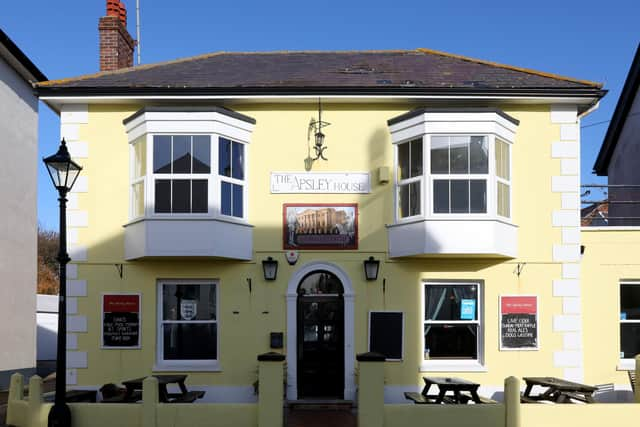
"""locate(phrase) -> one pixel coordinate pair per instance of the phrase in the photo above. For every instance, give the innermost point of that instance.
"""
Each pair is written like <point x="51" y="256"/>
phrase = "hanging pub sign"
<point x="320" y="226"/>
<point x="519" y="322"/>
<point x="120" y="320"/>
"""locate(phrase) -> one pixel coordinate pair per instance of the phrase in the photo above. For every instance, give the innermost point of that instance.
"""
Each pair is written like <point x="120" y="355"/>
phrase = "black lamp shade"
<point x="371" y="267"/>
<point x="62" y="170"/>
<point x="270" y="268"/>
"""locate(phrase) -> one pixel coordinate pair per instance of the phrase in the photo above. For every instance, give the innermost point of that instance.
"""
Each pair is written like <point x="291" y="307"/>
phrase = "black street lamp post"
<point x="63" y="172"/>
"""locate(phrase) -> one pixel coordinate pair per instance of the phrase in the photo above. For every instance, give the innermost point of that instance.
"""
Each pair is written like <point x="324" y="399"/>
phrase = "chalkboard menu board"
<point x="518" y="322"/>
<point x="121" y="321"/>
<point x="385" y="333"/>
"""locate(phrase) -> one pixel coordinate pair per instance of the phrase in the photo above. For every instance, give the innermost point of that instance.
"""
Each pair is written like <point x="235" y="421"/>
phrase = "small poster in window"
<point x="467" y="309"/>
<point x="519" y="322"/>
<point x="121" y="321"/>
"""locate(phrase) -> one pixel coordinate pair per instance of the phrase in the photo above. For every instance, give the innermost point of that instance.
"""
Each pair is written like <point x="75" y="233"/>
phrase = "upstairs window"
<point x="459" y="171"/>
<point x="466" y="176"/>
<point x="181" y="167"/>
<point x="409" y="173"/>
<point x="231" y="172"/>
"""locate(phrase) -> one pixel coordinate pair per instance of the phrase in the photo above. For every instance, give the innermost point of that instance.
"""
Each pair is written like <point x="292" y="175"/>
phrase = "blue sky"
<point x="591" y="40"/>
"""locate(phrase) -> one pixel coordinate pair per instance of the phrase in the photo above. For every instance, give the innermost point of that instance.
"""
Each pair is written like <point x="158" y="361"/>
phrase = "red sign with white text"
<point x="519" y="305"/>
<point x="121" y="303"/>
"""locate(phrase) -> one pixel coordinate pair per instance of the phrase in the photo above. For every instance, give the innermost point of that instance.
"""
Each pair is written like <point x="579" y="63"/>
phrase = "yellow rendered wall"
<point x="358" y="140"/>
<point x="610" y="255"/>
<point x="597" y="415"/>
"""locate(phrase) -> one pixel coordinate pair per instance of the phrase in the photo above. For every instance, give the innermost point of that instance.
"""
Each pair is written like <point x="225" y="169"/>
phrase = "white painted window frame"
<point x="454" y="365"/>
<point x="506" y="182"/>
<point x="133" y="180"/>
<point x="625" y="363"/>
<point x="186" y="365"/>
<point x="399" y="183"/>
<point x="231" y="180"/>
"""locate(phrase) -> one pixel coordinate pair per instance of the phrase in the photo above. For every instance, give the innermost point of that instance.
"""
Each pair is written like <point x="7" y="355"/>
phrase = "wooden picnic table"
<point x="450" y="390"/>
<point x="558" y="390"/>
<point x="133" y="386"/>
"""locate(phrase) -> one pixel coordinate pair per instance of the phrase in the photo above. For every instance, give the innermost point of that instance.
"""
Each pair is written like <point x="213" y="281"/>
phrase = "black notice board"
<point x="385" y="333"/>
<point x="120" y="321"/>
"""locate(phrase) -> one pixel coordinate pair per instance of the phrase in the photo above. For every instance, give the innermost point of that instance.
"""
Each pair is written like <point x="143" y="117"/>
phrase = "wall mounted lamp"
<point x="315" y="127"/>
<point x="270" y="268"/>
<point x="371" y="267"/>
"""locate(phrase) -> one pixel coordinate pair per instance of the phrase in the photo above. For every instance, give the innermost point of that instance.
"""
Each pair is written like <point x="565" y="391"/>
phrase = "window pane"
<point x="441" y="196"/>
<point x="190" y="341"/>
<point x="181" y="154"/>
<point x="403" y="161"/>
<point x="224" y="157"/>
<point x="140" y="158"/>
<point x="630" y="302"/>
<point x="630" y="339"/>
<point x="403" y="201"/>
<point x="237" y="201"/>
<point x="451" y="341"/>
<point x="479" y="155"/>
<point x="199" y="196"/>
<point x="440" y="154"/>
<point x="163" y="196"/>
<point x="189" y="302"/>
<point x="320" y="283"/>
<point x="459" y="154"/>
<point x="444" y="302"/>
<point x="225" y="198"/>
<point x="416" y="158"/>
<point x="137" y="193"/>
<point x="460" y="196"/>
<point x="237" y="170"/>
<point x="181" y="196"/>
<point x="502" y="160"/>
<point x="504" y="208"/>
<point x="478" y="196"/>
<point x="414" y="199"/>
<point x="161" y="154"/>
<point x="202" y="154"/>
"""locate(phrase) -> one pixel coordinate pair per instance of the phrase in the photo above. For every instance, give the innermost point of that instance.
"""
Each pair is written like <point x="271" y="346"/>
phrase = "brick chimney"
<point x="116" y="44"/>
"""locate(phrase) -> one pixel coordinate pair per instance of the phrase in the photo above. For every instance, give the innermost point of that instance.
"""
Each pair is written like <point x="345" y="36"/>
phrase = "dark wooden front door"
<point x="321" y="346"/>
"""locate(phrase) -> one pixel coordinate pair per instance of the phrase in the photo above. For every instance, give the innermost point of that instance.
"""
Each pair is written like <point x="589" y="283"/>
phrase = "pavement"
<point x="320" y="418"/>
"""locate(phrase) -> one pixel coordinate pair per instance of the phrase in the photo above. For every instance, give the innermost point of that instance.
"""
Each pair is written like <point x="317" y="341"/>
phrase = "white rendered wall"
<point x="18" y="222"/>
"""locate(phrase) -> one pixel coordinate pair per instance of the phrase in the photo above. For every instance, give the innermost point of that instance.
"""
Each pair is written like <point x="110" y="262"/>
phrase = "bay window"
<point x="453" y="183"/>
<point x="188" y="183"/>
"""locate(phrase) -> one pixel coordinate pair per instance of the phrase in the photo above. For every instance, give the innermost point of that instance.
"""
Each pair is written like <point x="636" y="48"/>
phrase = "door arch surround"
<point x="292" y="325"/>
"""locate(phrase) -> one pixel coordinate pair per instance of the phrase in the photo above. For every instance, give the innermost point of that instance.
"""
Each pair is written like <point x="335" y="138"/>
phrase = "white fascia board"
<point x="55" y="102"/>
<point x="189" y="122"/>
<point x="453" y="123"/>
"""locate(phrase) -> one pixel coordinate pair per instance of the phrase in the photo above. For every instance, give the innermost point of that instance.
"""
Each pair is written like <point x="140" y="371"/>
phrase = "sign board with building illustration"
<point x="320" y="226"/>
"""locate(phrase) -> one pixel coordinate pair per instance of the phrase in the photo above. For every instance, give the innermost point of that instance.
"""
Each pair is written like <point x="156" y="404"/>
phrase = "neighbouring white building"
<point x="18" y="213"/>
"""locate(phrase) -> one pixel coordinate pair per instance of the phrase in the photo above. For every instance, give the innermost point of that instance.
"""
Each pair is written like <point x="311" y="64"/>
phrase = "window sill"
<point x="626" y="365"/>
<point x="187" y="367"/>
<point x="452" y="366"/>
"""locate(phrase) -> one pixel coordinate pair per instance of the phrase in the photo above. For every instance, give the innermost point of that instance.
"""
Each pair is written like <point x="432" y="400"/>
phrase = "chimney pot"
<point x="123" y="14"/>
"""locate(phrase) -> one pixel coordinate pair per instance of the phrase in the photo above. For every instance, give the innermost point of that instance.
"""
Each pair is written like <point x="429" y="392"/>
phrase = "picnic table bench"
<point x="134" y="386"/>
<point x="460" y="391"/>
<point x="557" y="390"/>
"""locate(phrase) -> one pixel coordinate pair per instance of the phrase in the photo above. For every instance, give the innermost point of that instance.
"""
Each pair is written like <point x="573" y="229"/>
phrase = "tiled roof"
<point x="401" y="69"/>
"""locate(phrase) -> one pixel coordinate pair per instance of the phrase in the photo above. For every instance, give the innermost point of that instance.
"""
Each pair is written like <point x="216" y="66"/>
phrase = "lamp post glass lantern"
<point x="270" y="268"/>
<point x="63" y="172"/>
<point x="371" y="267"/>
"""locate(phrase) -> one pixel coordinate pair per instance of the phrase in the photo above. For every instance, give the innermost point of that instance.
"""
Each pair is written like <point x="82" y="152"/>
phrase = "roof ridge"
<point x="510" y="67"/>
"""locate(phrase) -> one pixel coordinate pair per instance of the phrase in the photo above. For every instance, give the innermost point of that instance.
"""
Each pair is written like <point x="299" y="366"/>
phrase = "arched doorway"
<point x="348" y="370"/>
<point x="320" y="333"/>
